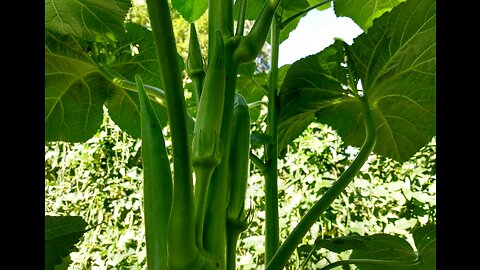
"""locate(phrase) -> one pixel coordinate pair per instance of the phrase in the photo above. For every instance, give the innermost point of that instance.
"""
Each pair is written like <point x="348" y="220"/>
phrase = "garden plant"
<point x="378" y="93"/>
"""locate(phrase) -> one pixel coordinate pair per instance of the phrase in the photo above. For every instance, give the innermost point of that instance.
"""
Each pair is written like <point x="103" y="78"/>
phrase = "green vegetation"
<point x="101" y="181"/>
<point x="130" y="111"/>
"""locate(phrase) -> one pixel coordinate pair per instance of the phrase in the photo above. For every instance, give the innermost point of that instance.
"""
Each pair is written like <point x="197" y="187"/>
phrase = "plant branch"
<point x="372" y="261"/>
<point x="290" y="244"/>
<point x="120" y="81"/>
<point x="303" y="12"/>
<point x="241" y="18"/>
<point x="259" y="164"/>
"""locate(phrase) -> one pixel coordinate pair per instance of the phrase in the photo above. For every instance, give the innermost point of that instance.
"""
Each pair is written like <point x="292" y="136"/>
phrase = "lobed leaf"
<point x="395" y="63"/>
<point x="76" y="87"/>
<point x="74" y="91"/>
<point x="93" y="20"/>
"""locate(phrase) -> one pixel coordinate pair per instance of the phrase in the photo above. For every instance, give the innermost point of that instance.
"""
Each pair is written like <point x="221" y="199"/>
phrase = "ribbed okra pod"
<point x="251" y="44"/>
<point x="157" y="182"/>
<point x="195" y="68"/>
<point x="239" y="163"/>
<point x="206" y="144"/>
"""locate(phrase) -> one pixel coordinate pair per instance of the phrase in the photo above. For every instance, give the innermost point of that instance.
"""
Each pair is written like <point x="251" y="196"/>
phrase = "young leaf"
<point x="363" y="12"/>
<point x="61" y="235"/>
<point x="190" y="10"/>
<point x="94" y="20"/>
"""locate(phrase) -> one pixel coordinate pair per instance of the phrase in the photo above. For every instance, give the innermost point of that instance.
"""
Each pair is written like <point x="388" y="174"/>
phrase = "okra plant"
<point x="378" y="93"/>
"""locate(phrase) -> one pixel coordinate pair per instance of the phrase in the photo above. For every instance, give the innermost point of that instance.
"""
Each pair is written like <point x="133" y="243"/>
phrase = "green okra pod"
<point x="195" y="62"/>
<point x="239" y="167"/>
<point x="239" y="161"/>
<point x="206" y="144"/>
<point x="251" y="44"/>
<point x="157" y="185"/>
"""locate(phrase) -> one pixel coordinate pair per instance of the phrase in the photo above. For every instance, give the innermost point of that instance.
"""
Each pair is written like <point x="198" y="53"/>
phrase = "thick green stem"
<point x="271" y="153"/>
<point x="288" y="247"/>
<point x="182" y="251"/>
<point x="220" y="18"/>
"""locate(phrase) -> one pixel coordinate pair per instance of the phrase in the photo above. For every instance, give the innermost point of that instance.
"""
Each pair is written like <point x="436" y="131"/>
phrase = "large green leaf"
<point x="122" y="104"/>
<point x="310" y="84"/>
<point x="388" y="252"/>
<point x="190" y="10"/>
<point x="396" y="64"/>
<point x="61" y="235"/>
<point x="76" y="87"/>
<point x="74" y="91"/>
<point x="94" y="20"/>
<point x="363" y="12"/>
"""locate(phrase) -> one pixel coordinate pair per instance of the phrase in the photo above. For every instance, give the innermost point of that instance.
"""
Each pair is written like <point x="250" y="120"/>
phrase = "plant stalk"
<point x="272" y="232"/>
<point x="288" y="247"/>
<point x="182" y="251"/>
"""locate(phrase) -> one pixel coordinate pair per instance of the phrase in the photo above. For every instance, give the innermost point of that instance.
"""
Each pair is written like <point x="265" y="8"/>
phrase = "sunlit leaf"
<point x="190" y="10"/>
<point x="363" y="12"/>
<point x="396" y="64"/>
<point x="94" y="20"/>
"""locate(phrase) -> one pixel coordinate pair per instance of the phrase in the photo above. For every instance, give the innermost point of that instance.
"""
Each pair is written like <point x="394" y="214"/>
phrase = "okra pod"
<point x="251" y="44"/>
<point x="157" y="182"/>
<point x="195" y="62"/>
<point x="239" y="167"/>
<point x="206" y="144"/>
<point x="239" y="161"/>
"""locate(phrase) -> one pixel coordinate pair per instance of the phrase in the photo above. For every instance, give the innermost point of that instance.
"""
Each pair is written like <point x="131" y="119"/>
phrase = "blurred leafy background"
<point x="101" y="181"/>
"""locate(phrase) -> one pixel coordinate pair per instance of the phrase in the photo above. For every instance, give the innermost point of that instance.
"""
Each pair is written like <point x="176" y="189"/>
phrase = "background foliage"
<point x="100" y="180"/>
